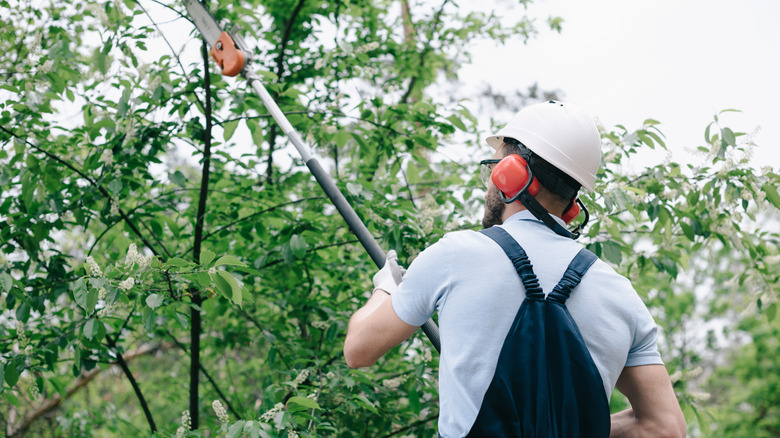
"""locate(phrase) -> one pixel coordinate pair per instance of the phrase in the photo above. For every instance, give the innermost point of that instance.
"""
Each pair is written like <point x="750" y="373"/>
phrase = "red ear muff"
<point x="571" y="212"/>
<point x="511" y="176"/>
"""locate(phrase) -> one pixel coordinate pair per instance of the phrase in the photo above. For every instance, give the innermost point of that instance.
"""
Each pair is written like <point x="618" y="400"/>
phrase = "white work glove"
<point x="390" y="276"/>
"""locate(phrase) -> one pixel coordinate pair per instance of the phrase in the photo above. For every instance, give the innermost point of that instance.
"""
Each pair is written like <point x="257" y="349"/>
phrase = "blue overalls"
<point x="546" y="383"/>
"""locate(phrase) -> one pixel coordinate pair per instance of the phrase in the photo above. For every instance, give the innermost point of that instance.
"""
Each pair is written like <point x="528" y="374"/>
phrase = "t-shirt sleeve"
<point x="644" y="349"/>
<point x="424" y="284"/>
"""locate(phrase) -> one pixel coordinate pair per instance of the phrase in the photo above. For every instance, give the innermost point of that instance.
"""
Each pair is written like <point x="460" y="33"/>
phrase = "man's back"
<point x="474" y="287"/>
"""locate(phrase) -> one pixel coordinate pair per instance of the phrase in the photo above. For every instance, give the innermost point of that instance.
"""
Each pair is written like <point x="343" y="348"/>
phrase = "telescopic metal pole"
<point x="326" y="182"/>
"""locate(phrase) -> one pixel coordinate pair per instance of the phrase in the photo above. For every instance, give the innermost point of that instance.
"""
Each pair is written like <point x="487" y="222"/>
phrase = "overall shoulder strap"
<point x="519" y="259"/>
<point x="573" y="275"/>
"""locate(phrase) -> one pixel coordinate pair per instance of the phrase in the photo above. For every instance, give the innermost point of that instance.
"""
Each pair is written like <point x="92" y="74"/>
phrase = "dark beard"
<point x="494" y="208"/>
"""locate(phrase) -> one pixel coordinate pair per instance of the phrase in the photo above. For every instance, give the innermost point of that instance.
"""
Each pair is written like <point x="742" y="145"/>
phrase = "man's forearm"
<point x="625" y="424"/>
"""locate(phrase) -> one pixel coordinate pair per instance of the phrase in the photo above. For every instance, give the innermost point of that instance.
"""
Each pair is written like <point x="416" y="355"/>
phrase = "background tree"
<point x="161" y="250"/>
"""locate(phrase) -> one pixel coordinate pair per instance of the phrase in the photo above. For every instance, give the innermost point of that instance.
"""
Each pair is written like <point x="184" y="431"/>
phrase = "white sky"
<point x="677" y="61"/>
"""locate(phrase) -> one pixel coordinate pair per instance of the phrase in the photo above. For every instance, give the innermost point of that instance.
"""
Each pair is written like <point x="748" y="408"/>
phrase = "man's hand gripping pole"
<point x="230" y="51"/>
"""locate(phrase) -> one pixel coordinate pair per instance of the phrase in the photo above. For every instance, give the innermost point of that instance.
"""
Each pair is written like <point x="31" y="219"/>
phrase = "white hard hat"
<point x="561" y="134"/>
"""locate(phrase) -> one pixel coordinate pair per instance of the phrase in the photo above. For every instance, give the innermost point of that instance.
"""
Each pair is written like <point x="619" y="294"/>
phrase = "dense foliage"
<point x="167" y="264"/>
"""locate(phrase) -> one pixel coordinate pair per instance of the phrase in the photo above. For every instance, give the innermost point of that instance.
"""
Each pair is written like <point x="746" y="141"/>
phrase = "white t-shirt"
<point x="473" y="285"/>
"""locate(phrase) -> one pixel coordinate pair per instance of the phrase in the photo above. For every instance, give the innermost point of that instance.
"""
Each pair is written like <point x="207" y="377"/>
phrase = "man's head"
<point x="562" y="147"/>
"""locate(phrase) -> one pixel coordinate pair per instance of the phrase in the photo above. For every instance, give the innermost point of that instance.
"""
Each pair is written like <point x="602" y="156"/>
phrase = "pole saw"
<point x="229" y="51"/>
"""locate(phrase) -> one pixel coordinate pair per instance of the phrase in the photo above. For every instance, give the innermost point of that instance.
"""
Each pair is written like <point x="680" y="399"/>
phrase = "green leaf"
<point x="256" y="131"/>
<point x="90" y="328"/>
<point x="23" y="312"/>
<point x="612" y="252"/>
<point x="414" y="400"/>
<point x="231" y="260"/>
<point x="178" y="178"/>
<point x="154" y="300"/>
<point x="298" y="246"/>
<point x="115" y="186"/>
<point x="235" y="429"/>
<point x="176" y="261"/>
<point x="301" y="404"/>
<point x="233" y="287"/>
<point x="771" y="312"/>
<point x="688" y="231"/>
<point x="6" y="281"/>
<point x="366" y="403"/>
<point x="455" y="120"/>
<point x="92" y="299"/>
<point x="772" y="194"/>
<point x="206" y="257"/>
<point x="230" y="128"/>
<point x="729" y="137"/>
<point x="11" y="375"/>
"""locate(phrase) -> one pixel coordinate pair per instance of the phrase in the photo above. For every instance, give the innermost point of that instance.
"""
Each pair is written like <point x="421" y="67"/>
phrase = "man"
<point x="477" y="292"/>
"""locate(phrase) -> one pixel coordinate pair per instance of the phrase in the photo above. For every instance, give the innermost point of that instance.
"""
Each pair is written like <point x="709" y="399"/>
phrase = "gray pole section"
<point x="326" y="182"/>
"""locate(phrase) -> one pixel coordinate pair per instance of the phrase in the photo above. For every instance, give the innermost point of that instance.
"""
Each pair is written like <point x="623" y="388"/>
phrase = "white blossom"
<point x="700" y="396"/>
<point x="367" y="47"/>
<point x="114" y="207"/>
<point x="186" y="421"/>
<point x="134" y="258"/>
<point x="127" y="284"/>
<point x="694" y="373"/>
<point x="45" y="67"/>
<point x="271" y="413"/>
<point x="394" y="382"/>
<point x="773" y="260"/>
<point x="304" y="374"/>
<point x="92" y="268"/>
<point x="28" y="351"/>
<point x="107" y="157"/>
<point x="220" y="411"/>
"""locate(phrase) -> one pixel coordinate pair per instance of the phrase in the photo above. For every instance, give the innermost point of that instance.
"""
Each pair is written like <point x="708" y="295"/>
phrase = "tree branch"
<point x="208" y="377"/>
<point x="434" y="24"/>
<point x="52" y="403"/>
<point x="123" y="365"/>
<point x="197" y="299"/>
<point x="412" y="426"/>
<point x="239" y="220"/>
<point x="93" y="183"/>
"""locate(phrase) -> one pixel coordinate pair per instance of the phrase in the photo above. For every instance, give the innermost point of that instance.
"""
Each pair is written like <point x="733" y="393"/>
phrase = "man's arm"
<point x="373" y="330"/>
<point x="654" y="410"/>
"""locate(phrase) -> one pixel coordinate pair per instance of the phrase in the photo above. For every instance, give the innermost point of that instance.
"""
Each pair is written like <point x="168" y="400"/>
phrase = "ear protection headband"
<point x="515" y="181"/>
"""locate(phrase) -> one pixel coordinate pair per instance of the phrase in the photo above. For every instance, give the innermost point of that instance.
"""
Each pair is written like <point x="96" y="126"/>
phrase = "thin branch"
<point x="52" y="403"/>
<point x="330" y="245"/>
<point x="239" y="220"/>
<point x="93" y="183"/>
<point x="307" y="112"/>
<point x="123" y="365"/>
<point x="173" y="51"/>
<point x="435" y="23"/>
<point x="412" y="426"/>
<point x="208" y="377"/>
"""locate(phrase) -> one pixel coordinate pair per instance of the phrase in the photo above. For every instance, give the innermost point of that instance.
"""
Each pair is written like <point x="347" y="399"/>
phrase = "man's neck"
<point x="516" y="206"/>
